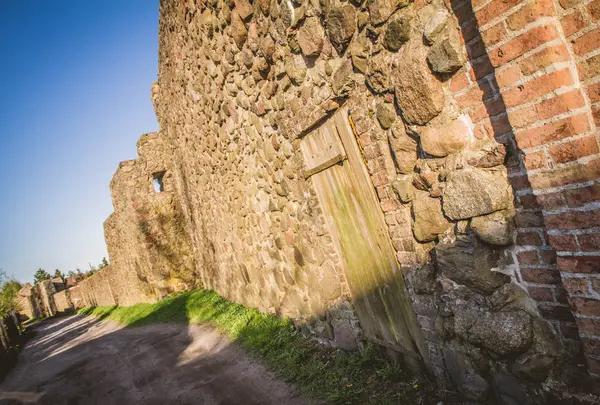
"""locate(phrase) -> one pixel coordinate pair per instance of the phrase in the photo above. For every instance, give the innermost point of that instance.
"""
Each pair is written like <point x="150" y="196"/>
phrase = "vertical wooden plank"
<point x="393" y="289"/>
<point x="352" y="211"/>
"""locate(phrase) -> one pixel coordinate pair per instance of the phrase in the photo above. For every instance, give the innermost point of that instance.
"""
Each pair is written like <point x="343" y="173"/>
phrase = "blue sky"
<point x="74" y="99"/>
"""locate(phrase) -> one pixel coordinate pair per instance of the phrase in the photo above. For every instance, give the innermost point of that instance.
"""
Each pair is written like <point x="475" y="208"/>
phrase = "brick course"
<point x="542" y="72"/>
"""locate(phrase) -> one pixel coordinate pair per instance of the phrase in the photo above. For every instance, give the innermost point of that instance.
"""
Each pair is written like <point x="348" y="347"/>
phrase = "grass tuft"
<point x="33" y="321"/>
<point x="320" y="371"/>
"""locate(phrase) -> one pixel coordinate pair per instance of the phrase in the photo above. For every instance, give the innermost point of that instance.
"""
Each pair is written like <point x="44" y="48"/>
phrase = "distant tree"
<point x="40" y="275"/>
<point x="104" y="263"/>
<point x="9" y="292"/>
<point x="78" y="271"/>
<point x="70" y="273"/>
<point x="58" y="273"/>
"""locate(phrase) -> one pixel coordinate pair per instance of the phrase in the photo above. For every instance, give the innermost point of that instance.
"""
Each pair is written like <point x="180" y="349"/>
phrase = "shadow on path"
<point x="85" y="360"/>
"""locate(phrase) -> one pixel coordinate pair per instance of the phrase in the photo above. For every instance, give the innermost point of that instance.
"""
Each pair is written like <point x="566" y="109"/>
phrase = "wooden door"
<point x="351" y="207"/>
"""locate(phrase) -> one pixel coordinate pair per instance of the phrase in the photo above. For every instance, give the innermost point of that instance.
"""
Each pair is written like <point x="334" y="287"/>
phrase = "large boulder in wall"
<point x="502" y="333"/>
<point x="429" y="220"/>
<point x="404" y="148"/>
<point x="444" y="139"/>
<point x="381" y="10"/>
<point x="310" y="37"/>
<point x="419" y="93"/>
<point x="496" y="228"/>
<point x="472" y="192"/>
<point x="341" y="25"/>
<point x="469" y="262"/>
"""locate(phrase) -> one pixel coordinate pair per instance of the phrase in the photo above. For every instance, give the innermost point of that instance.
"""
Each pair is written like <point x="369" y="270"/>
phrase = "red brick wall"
<point x="576" y="218"/>
<point x="533" y="83"/>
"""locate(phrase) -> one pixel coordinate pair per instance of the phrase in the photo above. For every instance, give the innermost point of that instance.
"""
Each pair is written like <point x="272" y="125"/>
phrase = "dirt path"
<point x="79" y="360"/>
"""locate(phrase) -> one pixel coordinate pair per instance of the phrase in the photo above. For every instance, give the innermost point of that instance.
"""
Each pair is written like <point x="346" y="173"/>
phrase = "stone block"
<point x="344" y="336"/>
<point x="470" y="262"/>
<point x="447" y="55"/>
<point x="385" y="115"/>
<point x="403" y="189"/>
<point x="397" y="33"/>
<point x="378" y="73"/>
<point x="429" y="221"/>
<point x="496" y="228"/>
<point x="463" y="375"/>
<point x="403" y="147"/>
<point x="472" y="192"/>
<point x="419" y="93"/>
<point x="381" y="10"/>
<point x="443" y="139"/>
<point x="341" y="24"/>
<point x="239" y="33"/>
<point x="310" y="37"/>
<point x="502" y="333"/>
<point x="434" y="27"/>
<point x="485" y="153"/>
<point x="342" y="81"/>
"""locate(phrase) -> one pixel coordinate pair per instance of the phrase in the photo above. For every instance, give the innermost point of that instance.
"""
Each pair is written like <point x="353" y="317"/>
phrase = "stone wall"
<point x="75" y="297"/>
<point x="46" y="292"/>
<point x="146" y="238"/>
<point x="37" y="300"/>
<point x="47" y="298"/>
<point x="111" y="286"/>
<point x="149" y="247"/>
<point x="97" y="290"/>
<point x="468" y="125"/>
<point x="62" y="301"/>
<point x="26" y="307"/>
<point x="571" y="190"/>
<point x="451" y="105"/>
<point x="29" y="302"/>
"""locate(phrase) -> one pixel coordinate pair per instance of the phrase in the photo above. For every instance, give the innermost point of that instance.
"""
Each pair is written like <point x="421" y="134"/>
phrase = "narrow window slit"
<point x="157" y="182"/>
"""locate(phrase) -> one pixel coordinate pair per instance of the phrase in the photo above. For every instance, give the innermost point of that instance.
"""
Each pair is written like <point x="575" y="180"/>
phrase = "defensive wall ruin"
<point x="423" y="175"/>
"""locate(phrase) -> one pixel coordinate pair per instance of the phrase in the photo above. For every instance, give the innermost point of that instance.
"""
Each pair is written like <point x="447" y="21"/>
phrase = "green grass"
<point x="33" y="321"/>
<point x="321" y="371"/>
